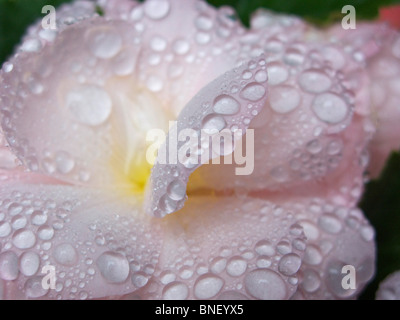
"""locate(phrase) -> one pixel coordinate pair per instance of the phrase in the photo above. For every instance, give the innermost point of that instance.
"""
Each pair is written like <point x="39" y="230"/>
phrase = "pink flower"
<point x="78" y="102"/>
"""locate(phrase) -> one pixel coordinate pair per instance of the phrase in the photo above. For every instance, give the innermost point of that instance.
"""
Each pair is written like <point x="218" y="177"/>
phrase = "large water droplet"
<point x="8" y="266"/>
<point x="236" y="266"/>
<point x="225" y="104"/>
<point x="208" y="286"/>
<point x="311" y="281"/>
<point x="314" y="81"/>
<point x="312" y="255"/>
<point x="5" y="229"/>
<point x="24" y="239"/>
<point x="265" y="284"/>
<point x="277" y="73"/>
<point x="264" y="247"/>
<point x="104" y="42"/>
<point x="213" y="122"/>
<point x="45" y="233"/>
<point x="284" y="99"/>
<point x="156" y="9"/>
<point x="176" y="190"/>
<point x="89" y="104"/>
<point x="203" y="22"/>
<point x="113" y="266"/>
<point x="253" y="92"/>
<point x="65" y="254"/>
<point x="34" y="289"/>
<point x="289" y="264"/>
<point x="330" y="224"/>
<point x="175" y="291"/>
<point x="38" y="217"/>
<point x="330" y="108"/>
<point x="29" y="263"/>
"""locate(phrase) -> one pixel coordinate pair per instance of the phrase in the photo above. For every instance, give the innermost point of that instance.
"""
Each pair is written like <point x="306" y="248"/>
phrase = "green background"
<point x="381" y="201"/>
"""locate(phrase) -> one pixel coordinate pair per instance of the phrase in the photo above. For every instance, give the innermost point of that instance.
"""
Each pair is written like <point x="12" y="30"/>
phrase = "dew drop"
<point x="176" y="190"/>
<point x="277" y="73"/>
<point x="330" y="224"/>
<point x="29" y="263"/>
<point x="227" y="105"/>
<point x="311" y="281"/>
<point x="38" y="217"/>
<point x="33" y="287"/>
<point x="175" y="291"/>
<point x="139" y="279"/>
<point x="45" y="233"/>
<point x="8" y="67"/>
<point x="65" y="254"/>
<point x="213" y="122"/>
<point x="330" y="108"/>
<point x="167" y="205"/>
<point x="253" y="92"/>
<point x="236" y="266"/>
<point x="24" y="239"/>
<point x="261" y="76"/>
<point x="289" y="264"/>
<point x="113" y="266"/>
<point x="5" y="229"/>
<point x="181" y="47"/>
<point x="158" y="44"/>
<point x="156" y="9"/>
<point x="8" y="265"/>
<point x="204" y="22"/>
<point x="284" y="98"/>
<point x="265" y="284"/>
<point x="89" y="104"/>
<point x="104" y="42"/>
<point x="314" y="81"/>
<point x="367" y="233"/>
<point x="218" y="265"/>
<point x="208" y="286"/>
<point x="312" y="255"/>
<point x="264" y="247"/>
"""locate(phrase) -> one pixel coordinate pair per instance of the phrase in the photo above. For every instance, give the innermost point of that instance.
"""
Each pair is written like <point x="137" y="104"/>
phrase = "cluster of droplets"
<point x="237" y="98"/>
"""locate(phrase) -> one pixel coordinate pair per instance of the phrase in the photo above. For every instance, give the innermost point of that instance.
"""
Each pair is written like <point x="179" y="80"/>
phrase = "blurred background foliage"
<point x="381" y="201"/>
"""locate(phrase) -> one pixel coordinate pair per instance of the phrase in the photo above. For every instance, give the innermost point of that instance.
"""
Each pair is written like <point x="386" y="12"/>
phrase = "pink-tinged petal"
<point x="312" y="132"/>
<point x="378" y="47"/>
<point x="229" y="248"/>
<point x="230" y="102"/>
<point x="389" y="288"/>
<point x="337" y="236"/>
<point x="100" y="245"/>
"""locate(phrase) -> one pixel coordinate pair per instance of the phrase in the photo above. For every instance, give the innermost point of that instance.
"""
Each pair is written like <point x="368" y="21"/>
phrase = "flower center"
<point x="137" y="111"/>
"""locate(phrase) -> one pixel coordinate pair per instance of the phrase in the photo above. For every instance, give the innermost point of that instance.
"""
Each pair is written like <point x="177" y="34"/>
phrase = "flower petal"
<point x="378" y="47"/>
<point x="389" y="288"/>
<point x="229" y="248"/>
<point x="229" y="102"/>
<point x="100" y="245"/>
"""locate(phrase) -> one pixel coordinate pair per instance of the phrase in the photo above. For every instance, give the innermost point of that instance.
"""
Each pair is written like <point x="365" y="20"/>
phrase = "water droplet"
<point x="167" y="205"/>
<point x="38" y="217"/>
<point x="8" y="266"/>
<point x="334" y="280"/>
<point x="218" y="265"/>
<point x="265" y="284"/>
<point x="89" y="104"/>
<point x="236" y="266"/>
<point x="64" y="162"/>
<point x="139" y="279"/>
<point x="208" y="286"/>
<point x="24" y="239"/>
<point x="29" y="263"/>
<point x="154" y="83"/>
<point x="65" y="254"/>
<point x="104" y="42"/>
<point x="312" y="255"/>
<point x="181" y="47"/>
<point x="167" y="277"/>
<point x="330" y="224"/>
<point x="204" y="22"/>
<point x="335" y="147"/>
<point x="14" y="209"/>
<point x="5" y="229"/>
<point x="158" y="44"/>
<point x="330" y="108"/>
<point x="289" y="264"/>
<point x="124" y="63"/>
<point x="264" y="247"/>
<point x="33" y="287"/>
<point x="279" y="174"/>
<point x="113" y="266"/>
<point x="283" y="247"/>
<point x="311" y="281"/>
<point x="156" y="9"/>
<point x="310" y="230"/>
<point x="314" y="146"/>
<point x="203" y="38"/>
<point x="284" y="99"/>
<point x="213" y="122"/>
<point x="293" y="57"/>
<point x="8" y="67"/>
<point x="227" y="105"/>
<point x="277" y="73"/>
<point x="367" y="233"/>
<point x="31" y="45"/>
<point x="176" y="190"/>
<point x="253" y="92"/>
<point x="261" y="76"/>
<point x="175" y="291"/>
<point x="45" y="233"/>
<point x="314" y="81"/>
